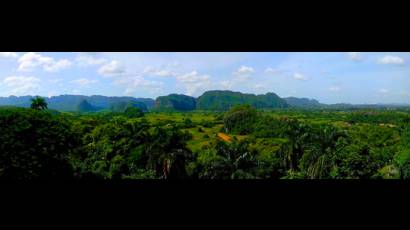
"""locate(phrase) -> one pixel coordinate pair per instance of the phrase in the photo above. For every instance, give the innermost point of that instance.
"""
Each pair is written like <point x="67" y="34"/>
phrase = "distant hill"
<point x="84" y="106"/>
<point x="225" y="99"/>
<point x="123" y="105"/>
<point x="302" y="102"/>
<point x="218" y="100"/>
<point x="23" y="101"/>
<point x="149" y="102"/>
<point x="71" y="102"/>
<point x="178" y="102"/>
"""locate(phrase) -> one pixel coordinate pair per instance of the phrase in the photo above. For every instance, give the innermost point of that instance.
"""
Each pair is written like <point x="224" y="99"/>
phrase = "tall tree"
<point x="168" y="153"/>
<point x="317" y="160"/>
<point x="38" y="103"/>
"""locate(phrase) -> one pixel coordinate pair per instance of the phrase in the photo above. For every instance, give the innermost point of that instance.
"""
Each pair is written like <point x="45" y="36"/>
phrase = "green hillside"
<point x="222" y="100"/>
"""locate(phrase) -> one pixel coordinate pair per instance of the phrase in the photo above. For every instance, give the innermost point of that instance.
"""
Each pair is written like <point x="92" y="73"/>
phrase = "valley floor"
<point x="242" y="143"/>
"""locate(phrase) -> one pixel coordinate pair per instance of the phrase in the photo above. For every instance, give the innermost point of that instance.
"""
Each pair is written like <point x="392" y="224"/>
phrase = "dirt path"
<point x="225" y="137"/>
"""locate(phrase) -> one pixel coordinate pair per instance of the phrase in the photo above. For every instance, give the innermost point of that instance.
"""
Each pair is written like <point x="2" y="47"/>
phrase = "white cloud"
<point x="112" y="68"/>
<point x="194" y="83"/>
<point x="85" y="59"/>
<point x="383" y="91"/>
<point x="57" y="66"/>
<point x="244" y="70"/>
<point x="21" y="85"/>
<point x="242" y="77"/>
<point x="139" y="82"/>
<point x="164" y="73"/>
<point x="160" y="73"/>
<point x="149" y="69"/>
<point x="55" y="80"/>
<point x="8" y="55"/>
<point x="30" y="60"/>
<point x="299" y="76"/>
<point x="259" y="87"/>
<point x="355" y="56"/>
<point x="334" y="88"/>
<point x="192" y="77"/>
<point x="226" y="84"/>
<point x="391" y="60"/>
<point x="83" y="82"/>
<point x="271" y="70"/>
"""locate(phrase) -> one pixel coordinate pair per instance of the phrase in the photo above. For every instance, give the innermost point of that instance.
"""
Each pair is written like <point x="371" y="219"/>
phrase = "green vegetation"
<point x="302" y="102"/>
<point x="240" y="119"/>
<point x="176" y="102"/>
<point x="84" y="106"/>
<point x="123" y="105"/>
<point x="129" y="142"/>
<point x="38" y="103"/>
<point x="35" y="144"/>
<point x="71" y="102"/>
<point x="222" y="100"/>
<point x="133" y="112"/>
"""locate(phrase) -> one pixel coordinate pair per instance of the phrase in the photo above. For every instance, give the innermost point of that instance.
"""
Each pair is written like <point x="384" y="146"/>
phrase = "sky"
<point x="330" y="77"/>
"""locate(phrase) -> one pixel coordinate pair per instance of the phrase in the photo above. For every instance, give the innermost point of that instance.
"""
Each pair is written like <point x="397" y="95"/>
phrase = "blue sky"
<point x="330" y="77"/>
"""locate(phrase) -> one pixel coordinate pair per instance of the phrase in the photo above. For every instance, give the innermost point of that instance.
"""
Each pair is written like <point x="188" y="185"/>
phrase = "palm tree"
<point x="298" y="135"/>
<point x="38" y="103"/>
<point x="168" y="153"/>
<point x="318" y="160"/>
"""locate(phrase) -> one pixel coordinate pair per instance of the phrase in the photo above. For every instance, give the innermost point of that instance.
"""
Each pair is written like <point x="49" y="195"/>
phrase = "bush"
<point x="187" y="123"/>
<point x="207" y="124"/>
<point x="133" y="112"/>
<point x="402" y="161"/>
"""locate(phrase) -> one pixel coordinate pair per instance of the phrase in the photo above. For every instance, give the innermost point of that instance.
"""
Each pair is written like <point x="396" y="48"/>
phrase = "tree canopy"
<point x="38" y="103"/>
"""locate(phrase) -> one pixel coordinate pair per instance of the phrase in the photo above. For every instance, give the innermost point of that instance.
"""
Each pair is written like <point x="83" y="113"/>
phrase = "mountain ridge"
<point x="209" y="100"/>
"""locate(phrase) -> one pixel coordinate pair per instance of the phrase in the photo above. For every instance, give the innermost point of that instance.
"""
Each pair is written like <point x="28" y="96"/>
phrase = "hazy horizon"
<point x="329" y="77"/>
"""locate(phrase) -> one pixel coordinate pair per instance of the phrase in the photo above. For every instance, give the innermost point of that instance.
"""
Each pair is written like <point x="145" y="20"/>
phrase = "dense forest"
<point x="251" y="137"/>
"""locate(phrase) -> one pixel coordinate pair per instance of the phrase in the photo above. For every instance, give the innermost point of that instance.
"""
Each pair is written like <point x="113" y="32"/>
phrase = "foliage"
<point x="228" y="161"/>
<point x="240" y="119"/>
<point x="270" y="144"/>
<point x="38" y="103"/>
<point x="133" y="112"/>
<point x="84" y="106"/>
<point x="302" y="102"/>
<point x="168" y="154"/>
<point x="176" y="102"/>
<point x="34" y="144"/>
<point x="222" y="100"/>
<point x="402" y="158"/>
<point x="122" y="106"/>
